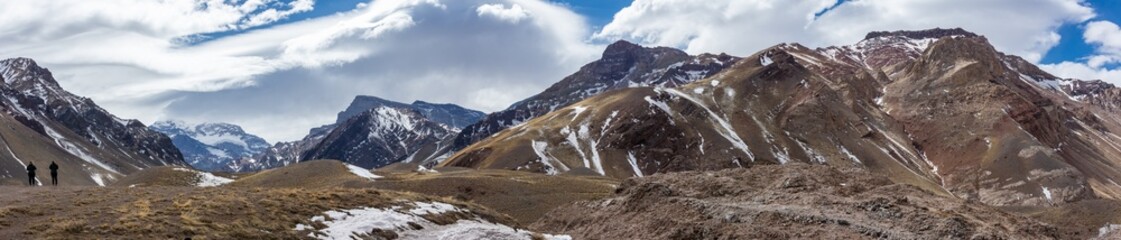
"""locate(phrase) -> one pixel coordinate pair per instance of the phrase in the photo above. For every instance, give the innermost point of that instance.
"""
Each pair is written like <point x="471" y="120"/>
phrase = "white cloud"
<point x="1082" y="71"/>
<point x="514" y="14"/>
<point x="736" y="27"/>
<point x="743" y="27"/>
<point x="280" y="81"/>
<point x="44" y="20"/>
<point x="1106" y="37"/>
<point x="141" y="34"/>
<point x="1027" y="28"/>
<point x="1105" y="34"/>
<point x="271" y="15"/>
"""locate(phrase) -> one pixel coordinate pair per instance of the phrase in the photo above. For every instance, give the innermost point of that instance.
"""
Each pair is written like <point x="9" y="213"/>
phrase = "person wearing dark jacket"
<point x="54" y="173"/>
<point x="31" y="173"/>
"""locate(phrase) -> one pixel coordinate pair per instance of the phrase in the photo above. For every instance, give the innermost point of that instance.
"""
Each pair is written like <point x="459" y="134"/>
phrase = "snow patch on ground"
<point x="422" y="169"/>
<point x="765" y="60"/>
<point x="410" y="224"/>
<point x="362" y="172"/>
<point x="1107" y="229"/>
<point x="209" y="180"/>
<point x="206" y="179"/>
<point x="97" y="178"/>
<point x="422" y="208"/>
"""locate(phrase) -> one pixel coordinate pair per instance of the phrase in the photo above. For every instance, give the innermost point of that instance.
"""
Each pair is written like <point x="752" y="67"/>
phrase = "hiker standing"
<point x="31" y="173"/>
<point x="54" y="173"/>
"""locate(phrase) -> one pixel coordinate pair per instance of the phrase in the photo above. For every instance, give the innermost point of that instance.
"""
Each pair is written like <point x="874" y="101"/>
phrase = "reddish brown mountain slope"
<point x="940" y="109"/>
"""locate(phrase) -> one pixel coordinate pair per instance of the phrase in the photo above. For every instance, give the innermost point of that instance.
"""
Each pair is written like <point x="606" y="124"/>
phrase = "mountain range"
<point x="213" y="147"/>
<point x="43" y="123"/>
<point x="622" y="65"/>
<point x="373" y="132"/>
<point x="940" y="109"/>
<point x="903" y="134"/>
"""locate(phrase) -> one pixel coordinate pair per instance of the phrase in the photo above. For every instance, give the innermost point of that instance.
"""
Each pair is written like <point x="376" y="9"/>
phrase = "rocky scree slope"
<point x="797" y="201"/>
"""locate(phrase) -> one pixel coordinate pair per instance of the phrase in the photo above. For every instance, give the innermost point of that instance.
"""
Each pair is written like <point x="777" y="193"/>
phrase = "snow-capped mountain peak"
<point x="212" y="146"/>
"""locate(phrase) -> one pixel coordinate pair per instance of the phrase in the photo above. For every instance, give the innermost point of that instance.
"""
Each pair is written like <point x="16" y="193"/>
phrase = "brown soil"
<point x="185" y="212"/>
<point x="524" y="196"/>
<point x="794" y="201"/>
<point x="309" y="175"/>
<point x="1082" y="219"/>
<point x="159" y="176"/>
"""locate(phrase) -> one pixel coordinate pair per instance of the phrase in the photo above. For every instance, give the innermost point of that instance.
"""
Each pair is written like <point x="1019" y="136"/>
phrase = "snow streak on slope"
<point x="634" y="164"/>
<point x="539" y="148"/>
<point x="661" y="106"/>
<point x="849" y="154"/>
<point x="597" y="163"/>
<point x="723" y="127"/>
<point x="570" y="136"/>
<point x="76" y="150"/>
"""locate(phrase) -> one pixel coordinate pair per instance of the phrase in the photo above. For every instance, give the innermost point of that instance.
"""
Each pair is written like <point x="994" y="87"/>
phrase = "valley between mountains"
<point x="927" y="134"/>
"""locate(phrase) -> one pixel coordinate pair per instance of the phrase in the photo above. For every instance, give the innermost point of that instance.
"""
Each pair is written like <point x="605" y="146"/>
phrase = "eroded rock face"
<point x="795" y="201"/>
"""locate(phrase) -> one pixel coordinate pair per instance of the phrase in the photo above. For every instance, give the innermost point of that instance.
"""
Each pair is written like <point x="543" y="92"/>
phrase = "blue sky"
<point x="598" y="13"/>
<point x="1072" y="47"/>
<point x="281" y="67"/>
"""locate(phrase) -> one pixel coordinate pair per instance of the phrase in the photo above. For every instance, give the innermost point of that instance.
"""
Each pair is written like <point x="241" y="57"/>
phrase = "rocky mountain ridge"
<point x="214" y="147"/>
<point x="938" y="109"/>
<point x="46" y="123"/>
<point x="374" y="132"/>
<point x="622" y="65"/>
